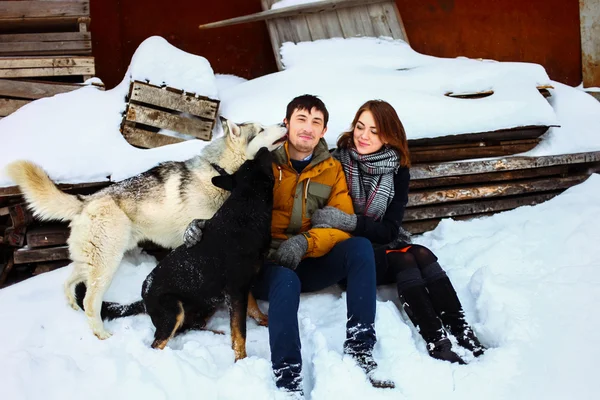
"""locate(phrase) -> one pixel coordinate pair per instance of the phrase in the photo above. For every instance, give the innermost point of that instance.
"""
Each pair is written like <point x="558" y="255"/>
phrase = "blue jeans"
<point x="352" y="260"/>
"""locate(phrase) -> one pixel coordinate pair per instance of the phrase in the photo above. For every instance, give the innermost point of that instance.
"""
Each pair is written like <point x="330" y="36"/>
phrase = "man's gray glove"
<point x="193" y="232"/>
<point x="290" y="252"/>
<point x="335" y="218"/>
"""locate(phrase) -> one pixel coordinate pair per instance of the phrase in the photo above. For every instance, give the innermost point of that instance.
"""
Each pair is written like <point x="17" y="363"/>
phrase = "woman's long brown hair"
<point x="389" y="129"/>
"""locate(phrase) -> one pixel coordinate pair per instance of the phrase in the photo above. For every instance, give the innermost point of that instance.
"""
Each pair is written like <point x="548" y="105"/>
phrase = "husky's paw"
<point x="102" y="334"/>
<point x="74" y="305"/>
<point x="262" y="320"/>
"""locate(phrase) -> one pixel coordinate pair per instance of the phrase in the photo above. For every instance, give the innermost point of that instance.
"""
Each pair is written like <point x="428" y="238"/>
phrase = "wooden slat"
<point x="9" y="106"/>
<point x="467" y="152"/>
<point x="45" y="62"/>
<point x="34" y="90"/>
<point x="38" y="72"/>
<point x="300" y="26"/>
<point x="331" y="22"/>
<point x="303" y="9"/>
<point x="476" y="207"/>
<point x="517" y="133"/>
<point x="438" y="170"/>
<point x="48" y="235"/>
<point x="350" y="21"/>
<point x="199" y="106"/>
<point x="416" y="184"/>
<point x="46" y="37"/>
<point x="589" y="16"/>
<point x="394" y="20"/>
<point x="493" y="190"/>
<point x="146" y="139"/>
<point x="379" y="20"/>
<point x="25" y="255"/>
<point x="46" y="48"/>
<point x="161" y="119"/>
<point x="315" y="26"/>
<point x="274" y="36"/>
<point x="22" y="10"/>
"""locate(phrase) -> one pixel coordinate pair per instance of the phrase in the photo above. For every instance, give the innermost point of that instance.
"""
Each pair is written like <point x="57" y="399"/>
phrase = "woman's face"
<point x="366" y="138"/>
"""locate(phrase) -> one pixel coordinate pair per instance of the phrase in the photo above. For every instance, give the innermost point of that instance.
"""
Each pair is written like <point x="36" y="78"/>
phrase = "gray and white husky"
<point x="155" y="205"/>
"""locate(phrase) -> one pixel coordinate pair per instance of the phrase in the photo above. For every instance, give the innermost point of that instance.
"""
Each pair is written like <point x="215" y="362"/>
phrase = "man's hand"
<point x="193" y="232"/>
<point x="335" y="218"/>
<point x="290" y="252"/>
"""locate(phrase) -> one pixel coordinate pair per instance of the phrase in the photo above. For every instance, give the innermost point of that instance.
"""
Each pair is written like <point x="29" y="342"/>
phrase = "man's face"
<point x="305" y="129"/>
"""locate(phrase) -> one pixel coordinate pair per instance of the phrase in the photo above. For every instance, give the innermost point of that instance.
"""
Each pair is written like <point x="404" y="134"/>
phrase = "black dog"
<point x="187" y="286"/>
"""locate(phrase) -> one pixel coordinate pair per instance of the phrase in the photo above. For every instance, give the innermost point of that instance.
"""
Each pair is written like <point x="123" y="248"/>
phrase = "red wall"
<point x="540" y="31"/>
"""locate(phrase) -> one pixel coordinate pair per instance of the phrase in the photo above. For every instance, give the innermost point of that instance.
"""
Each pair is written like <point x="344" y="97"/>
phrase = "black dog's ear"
<point x="225" y="182"/>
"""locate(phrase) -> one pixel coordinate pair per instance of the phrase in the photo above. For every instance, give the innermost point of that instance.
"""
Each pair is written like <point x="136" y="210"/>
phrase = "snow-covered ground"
<point x="529" y="279"/>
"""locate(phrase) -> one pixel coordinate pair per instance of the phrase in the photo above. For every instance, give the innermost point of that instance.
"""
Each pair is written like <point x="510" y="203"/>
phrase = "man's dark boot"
<point x="366" y="362"/>
<point x="289" y="379"/>
<point x="415" y="301"/>
<point x="448" y="307"/>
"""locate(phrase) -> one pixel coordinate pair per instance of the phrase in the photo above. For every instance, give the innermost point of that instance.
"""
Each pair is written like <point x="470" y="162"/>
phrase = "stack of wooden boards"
<point x="45" y="49"/>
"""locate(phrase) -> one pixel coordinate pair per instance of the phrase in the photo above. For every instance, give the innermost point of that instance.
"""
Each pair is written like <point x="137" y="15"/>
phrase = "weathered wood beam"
<point x="303" y="9"/>
<point x="24" y="255"/>
<point x="438" y="170"/>
<point x="589" y="17"/>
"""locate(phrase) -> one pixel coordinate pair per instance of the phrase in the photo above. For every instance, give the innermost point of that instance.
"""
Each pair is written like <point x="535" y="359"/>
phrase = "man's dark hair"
<point x="307" y="102"/>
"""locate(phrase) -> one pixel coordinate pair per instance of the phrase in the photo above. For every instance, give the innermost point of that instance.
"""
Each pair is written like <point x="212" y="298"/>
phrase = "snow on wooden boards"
<point x="14" y="94"/>
<point x="469" y="189"/>
<point x="475" y="145"/>
<point x="151" y="108"/>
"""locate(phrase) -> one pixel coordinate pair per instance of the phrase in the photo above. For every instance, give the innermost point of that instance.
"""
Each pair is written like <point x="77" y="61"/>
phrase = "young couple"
<point x="338" y="218"/>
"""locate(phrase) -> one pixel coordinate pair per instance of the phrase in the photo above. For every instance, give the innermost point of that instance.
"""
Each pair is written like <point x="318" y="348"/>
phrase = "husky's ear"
<point x="230" y="128"/>
<point x="225" y="182"/>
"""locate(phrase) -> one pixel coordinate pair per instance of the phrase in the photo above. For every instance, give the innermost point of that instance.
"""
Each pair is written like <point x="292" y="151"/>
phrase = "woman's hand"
<point x="335" y="218"/>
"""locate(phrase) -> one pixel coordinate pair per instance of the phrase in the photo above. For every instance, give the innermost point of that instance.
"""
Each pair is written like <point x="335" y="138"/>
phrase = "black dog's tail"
<point x="111" y="310"/>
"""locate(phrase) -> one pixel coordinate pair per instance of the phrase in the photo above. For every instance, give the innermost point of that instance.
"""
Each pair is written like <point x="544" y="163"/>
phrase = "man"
<point x="304" y="258"/>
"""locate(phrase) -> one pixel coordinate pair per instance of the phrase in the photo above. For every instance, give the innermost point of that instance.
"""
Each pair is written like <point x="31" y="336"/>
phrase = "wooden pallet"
<point x="45" y="40"/>
<point x="151" y="108"/>
<point x="470" y="189"/>
<point x="324" y="20"/>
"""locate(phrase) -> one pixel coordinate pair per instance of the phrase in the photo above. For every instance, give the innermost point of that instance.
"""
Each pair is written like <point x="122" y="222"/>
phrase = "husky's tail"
<point x="111" y="310"/>
<point x="46" y="200"/>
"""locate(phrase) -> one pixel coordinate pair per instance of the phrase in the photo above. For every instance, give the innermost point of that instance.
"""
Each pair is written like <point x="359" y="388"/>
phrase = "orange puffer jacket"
<point x="297" y="196"/>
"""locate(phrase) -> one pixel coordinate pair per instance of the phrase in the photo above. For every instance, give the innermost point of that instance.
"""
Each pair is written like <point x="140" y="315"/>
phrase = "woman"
<point x="376" y="162"/>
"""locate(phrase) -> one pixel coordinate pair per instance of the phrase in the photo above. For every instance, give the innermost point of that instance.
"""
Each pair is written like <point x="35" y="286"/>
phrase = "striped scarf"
<point x="370" y="179"/>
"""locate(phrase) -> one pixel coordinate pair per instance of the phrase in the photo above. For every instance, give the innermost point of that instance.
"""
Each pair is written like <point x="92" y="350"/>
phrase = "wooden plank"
<point x="44" y="267"/>
<point x="438" y="170"/>
<point x="37" y="72"/>
<point x="300" y="26"/>
<point x="467" y="152"/>
<point x="303" y="9"/>
<point x="46" y="48"/>
<point x="45" y="62"/>
<point x="316" y="28"/>
<point x="6" y="270"/>
<point x="274" y="36"/>
<point x="416" y="184"/>
<point x="379" y="20"/>
<point x="199" y="106"/>
<point x="517" y="133"/>
<point x="161" y="119"/>
<point x="418" y="227"/>
<point x="25" y="255"/>
<point x="351" y="23"/>
<point x="146" y="139"/>
<point x="493" y="190"/>
<point x="394" y="20"/>
<point x="46" y="37"/>
<point x="589" y="16"/>
<point x="9" y="106"/>
<point x="34" y="90"/>
<point x="48" y="235"/>
<point x="475" y="207"/>
<point x="22" y="10"/>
